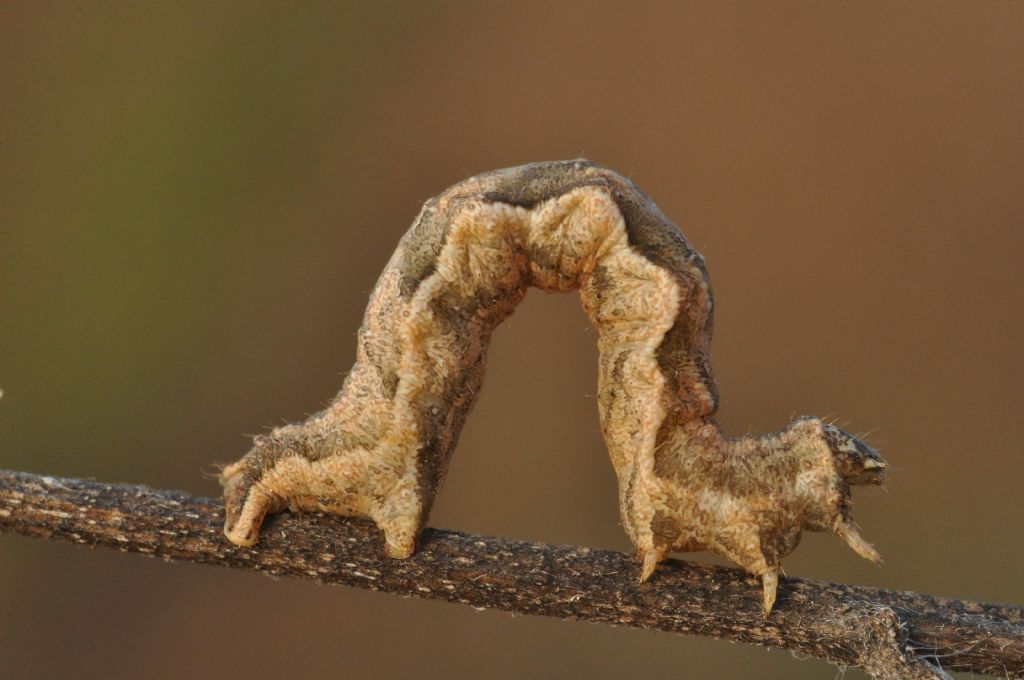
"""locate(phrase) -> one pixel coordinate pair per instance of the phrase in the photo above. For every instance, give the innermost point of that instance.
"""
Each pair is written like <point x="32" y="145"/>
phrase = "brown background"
<point x="197" y="199"/>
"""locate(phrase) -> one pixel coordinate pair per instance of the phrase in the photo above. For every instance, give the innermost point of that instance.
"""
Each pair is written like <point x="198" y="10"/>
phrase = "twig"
<point x="889" y="634"/>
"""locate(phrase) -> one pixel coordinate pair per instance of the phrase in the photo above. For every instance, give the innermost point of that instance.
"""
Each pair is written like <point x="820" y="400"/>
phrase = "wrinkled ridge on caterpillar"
<point x="381" y="448"/>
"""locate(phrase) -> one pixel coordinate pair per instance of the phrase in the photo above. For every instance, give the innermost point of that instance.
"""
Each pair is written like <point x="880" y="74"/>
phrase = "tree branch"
<point x="889" y="634"/>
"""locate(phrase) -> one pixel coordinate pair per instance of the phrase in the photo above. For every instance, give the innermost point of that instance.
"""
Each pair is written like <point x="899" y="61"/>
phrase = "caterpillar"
<point x="381" y="448"/>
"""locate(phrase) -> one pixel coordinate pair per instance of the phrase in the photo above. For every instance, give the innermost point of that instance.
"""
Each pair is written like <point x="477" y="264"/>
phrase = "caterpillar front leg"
<point x="770" y="585"/>
<point x="846" y="530"/>
<point x="650" y="559"/>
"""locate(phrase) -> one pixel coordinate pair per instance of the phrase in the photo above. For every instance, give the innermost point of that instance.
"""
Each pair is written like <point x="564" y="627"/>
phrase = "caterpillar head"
<point x="857" y="463"/>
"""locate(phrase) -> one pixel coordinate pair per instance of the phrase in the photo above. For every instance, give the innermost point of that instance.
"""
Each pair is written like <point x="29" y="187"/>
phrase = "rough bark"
<point x="889" y="634"/>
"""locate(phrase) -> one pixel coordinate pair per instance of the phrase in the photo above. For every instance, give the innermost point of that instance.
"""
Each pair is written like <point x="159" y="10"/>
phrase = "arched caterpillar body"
<point x="381" y="448"/>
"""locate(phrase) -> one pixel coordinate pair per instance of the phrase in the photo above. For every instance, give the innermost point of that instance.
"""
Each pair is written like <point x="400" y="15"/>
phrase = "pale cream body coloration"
<point x="381" y="448"/>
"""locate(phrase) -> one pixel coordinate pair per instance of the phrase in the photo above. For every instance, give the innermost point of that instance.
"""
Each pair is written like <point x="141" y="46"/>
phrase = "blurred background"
<point x="196" y="200"/>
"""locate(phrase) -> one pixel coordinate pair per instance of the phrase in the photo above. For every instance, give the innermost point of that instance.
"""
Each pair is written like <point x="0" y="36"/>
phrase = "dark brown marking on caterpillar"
<point x="422" y="244"/>
<point x="381" y="448"/>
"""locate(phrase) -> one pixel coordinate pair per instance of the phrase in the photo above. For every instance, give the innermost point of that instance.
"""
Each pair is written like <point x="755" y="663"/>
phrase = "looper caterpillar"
<point x="381" y="448"/>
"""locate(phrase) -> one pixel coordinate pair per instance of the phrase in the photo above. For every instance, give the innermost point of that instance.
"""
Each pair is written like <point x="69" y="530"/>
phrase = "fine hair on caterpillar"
<point x="380" y="449"/>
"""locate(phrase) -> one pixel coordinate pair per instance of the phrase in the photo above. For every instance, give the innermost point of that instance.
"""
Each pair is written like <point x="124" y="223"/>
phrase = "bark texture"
<point x="889" y="634"/>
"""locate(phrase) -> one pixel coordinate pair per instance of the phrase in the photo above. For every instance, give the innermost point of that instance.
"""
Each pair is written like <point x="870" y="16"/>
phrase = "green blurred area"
<point x="196" y="200"/>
